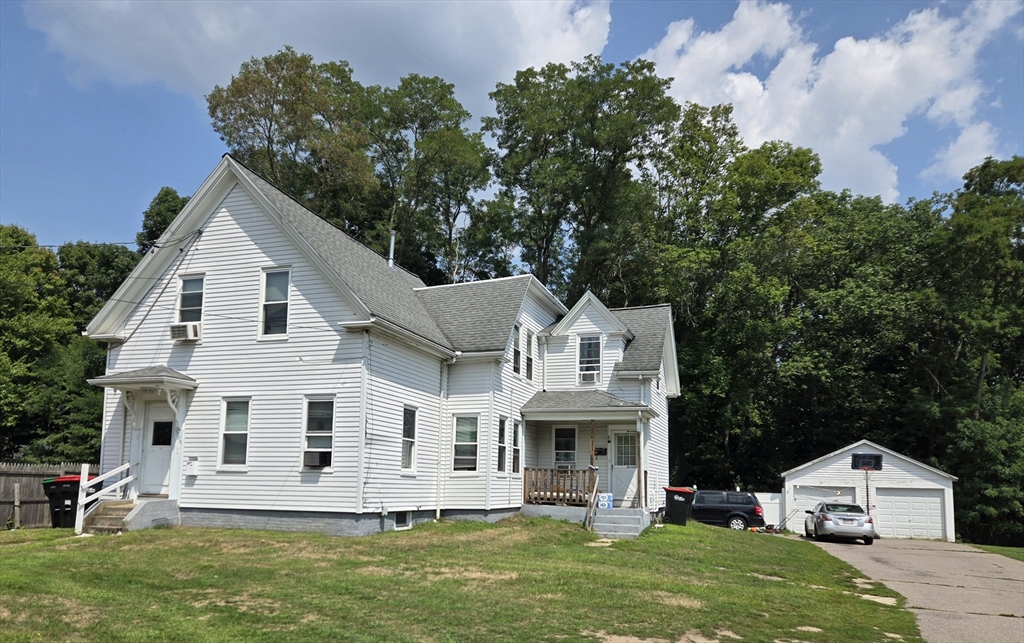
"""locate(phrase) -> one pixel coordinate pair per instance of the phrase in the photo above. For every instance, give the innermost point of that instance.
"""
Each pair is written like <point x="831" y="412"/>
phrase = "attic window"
<point x="274" y="313"/>
<point x="590" y="359"/>
<point x="190" y="302"/>
<point x="516" y="353"/>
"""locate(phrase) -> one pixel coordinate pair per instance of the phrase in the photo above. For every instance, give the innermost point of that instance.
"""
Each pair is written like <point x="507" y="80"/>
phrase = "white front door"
<point x="625" y="454"/>
<point x="157" y="444"/>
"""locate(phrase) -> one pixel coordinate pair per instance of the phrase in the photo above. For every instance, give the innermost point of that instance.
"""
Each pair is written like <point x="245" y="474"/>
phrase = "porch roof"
<point x="149" y="377"/>
<point x="584" y="405"/>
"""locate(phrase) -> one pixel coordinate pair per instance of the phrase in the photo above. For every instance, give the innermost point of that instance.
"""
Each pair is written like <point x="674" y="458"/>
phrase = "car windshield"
<point x="845" y="509"/>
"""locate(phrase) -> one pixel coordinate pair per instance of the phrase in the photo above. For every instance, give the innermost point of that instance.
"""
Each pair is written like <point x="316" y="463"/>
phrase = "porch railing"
<point x="558" y="486"/>
<point x="88" y="496"/>
<point x="592" y="505"/>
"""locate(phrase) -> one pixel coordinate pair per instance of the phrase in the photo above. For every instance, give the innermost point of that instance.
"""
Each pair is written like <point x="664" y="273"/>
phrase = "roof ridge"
<point x="469" y="283"/>
<point x="641" y="307"/>
<point x="330" y="223"/>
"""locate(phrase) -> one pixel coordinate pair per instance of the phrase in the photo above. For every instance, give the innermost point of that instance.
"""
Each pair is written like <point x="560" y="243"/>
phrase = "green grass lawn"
<point x="519" y="580"/>
<point x="1010" y="552"/>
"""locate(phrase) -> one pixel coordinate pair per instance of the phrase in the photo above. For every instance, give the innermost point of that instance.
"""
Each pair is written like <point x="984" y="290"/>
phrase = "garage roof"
<point x="868" y="443"/>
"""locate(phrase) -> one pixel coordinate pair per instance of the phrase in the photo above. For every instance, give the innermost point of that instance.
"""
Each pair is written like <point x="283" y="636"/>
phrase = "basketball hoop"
<point x="867" y="467"/>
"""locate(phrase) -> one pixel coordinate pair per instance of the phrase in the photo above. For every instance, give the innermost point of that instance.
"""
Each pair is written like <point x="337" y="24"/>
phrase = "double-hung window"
<point x="190" y="302"/>
<point x="319" y="438"/>
<point x="502" y="445"/>
<point x="590" y="359"/>
<point x="529" y="355"/>
<point x="565" y="447"/>
<point x="516" y="353"/>
<point x="517" y="440"/>
<point x="408" y="439"/>
<point x="274" y="302"/>
<point x="465" y="444"/>
<point x="235" y="432"/>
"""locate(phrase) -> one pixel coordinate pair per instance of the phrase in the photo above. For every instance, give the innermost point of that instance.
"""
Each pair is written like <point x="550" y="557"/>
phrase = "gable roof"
<point x="871" y="445"/>
<point x="588" y="300"/>
<point x="387" y="292"/>
<point x="361" y="276"/>
<point x="578" y="400"/>
<point x="649" y="325"/>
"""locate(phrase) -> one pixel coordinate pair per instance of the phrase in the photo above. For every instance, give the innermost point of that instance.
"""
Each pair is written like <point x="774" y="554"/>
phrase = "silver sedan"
<point x="839" y="519"/>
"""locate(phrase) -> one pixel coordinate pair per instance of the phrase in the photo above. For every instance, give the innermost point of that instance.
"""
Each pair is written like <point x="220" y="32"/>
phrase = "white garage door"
<point x="807" y="497"/>
<point x="909" y="513"/>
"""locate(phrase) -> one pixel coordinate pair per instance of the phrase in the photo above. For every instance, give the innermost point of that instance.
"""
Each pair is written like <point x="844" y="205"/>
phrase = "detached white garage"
<point x="907" y="499"/>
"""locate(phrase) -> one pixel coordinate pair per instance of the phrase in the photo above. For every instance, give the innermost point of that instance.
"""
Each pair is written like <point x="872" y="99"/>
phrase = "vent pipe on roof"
<point x="391" y="253"/>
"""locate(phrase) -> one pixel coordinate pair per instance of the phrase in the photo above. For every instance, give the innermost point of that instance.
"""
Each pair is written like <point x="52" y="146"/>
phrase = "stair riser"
<point x="617" y="520"/>
<point x="107" y="521"/>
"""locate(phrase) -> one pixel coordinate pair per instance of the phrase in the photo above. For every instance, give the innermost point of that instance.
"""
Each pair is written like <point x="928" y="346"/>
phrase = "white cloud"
<point x="191" y="46"/>
<point x="849" y="102"/>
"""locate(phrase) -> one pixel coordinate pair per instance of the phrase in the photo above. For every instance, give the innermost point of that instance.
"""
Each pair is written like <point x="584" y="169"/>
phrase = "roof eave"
<point x="628" y="413"/>
<point x="133" y="383"/>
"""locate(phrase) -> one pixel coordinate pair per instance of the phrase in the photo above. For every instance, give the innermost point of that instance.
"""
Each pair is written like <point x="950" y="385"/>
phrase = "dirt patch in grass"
<point x="809" y="628"/>
<point x="470" y="573"/>
<point x="244" y="602"/>
<point x="727" y="634"/>
<point x="677" y="600"/>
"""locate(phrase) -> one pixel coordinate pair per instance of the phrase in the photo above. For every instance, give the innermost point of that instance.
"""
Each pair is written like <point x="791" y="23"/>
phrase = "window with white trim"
<point x="529" y="355"/>
<point x="565" y="447"/>
<point x="590" y="359"/>
<point x="516" y="353"/>
<point x="190" y="301"/>
<point x="517" y="440"/>
<point x="502" y="445"/>
<point x="235" y="432"/>
<point x="319" y="435"/>
<point x="274" y="302"/>
<point x="465" y="444"/>
<point x="408" y="439"/>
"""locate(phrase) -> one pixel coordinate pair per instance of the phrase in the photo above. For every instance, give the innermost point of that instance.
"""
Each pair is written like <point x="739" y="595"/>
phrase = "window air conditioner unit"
<point x="588" y="377"/>
<point x="317" y="459"/>
<point x="189" y="332"/>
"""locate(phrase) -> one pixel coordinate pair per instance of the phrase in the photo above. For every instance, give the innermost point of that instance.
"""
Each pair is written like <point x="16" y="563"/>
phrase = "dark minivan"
<point x="732" y="509"/>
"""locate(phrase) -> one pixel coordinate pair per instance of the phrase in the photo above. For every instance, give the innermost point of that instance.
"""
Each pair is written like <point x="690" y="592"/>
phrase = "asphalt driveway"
<point x="958" y="593"/>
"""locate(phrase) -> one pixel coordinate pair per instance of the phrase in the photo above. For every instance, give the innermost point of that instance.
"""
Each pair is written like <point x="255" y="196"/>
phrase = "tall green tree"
<point x="161" y="211"/>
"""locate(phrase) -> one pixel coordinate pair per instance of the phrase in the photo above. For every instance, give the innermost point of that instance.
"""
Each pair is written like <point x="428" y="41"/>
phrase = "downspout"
<point x="442" y="409"/>
<point x="641" y="491"/>
<point x="361" y="447"/>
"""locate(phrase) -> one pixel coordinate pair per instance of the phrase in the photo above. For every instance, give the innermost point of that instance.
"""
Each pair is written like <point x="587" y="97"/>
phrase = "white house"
<point x="908" y="499"/>
<point x="267" y="370"/>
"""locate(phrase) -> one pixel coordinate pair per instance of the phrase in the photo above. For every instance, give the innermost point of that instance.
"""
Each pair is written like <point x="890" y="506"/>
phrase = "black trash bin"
<point x="678" y="504"/>
<point x="63" y="495"/>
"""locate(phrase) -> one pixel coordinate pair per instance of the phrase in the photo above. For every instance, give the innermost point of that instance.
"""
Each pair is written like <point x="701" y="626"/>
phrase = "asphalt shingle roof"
<point x="650" y="326"/>
<point x="572" y="400"/>
<point x="388" y="292"/>
<point x="478" y="315"/>
<point x="147" y="373"/>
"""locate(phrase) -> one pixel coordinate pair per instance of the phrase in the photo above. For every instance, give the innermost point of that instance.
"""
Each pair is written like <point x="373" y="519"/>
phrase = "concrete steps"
<point x="108" y="518"/>
<point x="620" y="523"/>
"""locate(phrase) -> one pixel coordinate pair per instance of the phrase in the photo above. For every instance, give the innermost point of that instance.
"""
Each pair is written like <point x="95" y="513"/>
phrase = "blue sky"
<point x="101" y="104"/>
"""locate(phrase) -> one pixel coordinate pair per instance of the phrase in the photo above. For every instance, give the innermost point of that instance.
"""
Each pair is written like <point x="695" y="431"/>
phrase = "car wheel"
<point x="737" y="523"/>
<point x="667" y="519"/>
<point x="807" y="532"/>
<point x="868" y="540"/>
<point x="818" y="536"/>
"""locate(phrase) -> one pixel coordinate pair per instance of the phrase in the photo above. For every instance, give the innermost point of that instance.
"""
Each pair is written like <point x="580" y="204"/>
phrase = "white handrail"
<point x="592" y="505"/>
<point x="84" y="496"/>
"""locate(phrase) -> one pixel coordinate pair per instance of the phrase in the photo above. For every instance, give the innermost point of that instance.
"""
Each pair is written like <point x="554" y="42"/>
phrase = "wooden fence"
<point x="35" y="506"/>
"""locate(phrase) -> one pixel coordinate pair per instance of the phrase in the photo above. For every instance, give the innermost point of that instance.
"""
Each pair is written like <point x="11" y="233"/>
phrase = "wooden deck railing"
<point x="557" y="486"/>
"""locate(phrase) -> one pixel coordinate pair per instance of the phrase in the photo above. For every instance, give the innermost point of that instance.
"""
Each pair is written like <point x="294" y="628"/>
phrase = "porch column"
<point x="641" y="487"/>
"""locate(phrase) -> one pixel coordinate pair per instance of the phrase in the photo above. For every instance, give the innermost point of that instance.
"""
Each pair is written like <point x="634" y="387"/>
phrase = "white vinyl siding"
<point x="238" y="241"/>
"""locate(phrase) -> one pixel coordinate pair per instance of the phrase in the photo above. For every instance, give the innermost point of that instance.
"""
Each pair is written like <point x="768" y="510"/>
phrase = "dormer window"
<point x="590" y="359"/>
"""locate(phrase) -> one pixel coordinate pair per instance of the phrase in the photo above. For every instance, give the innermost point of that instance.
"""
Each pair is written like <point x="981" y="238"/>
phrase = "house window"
<point x="235" y="433"/>
<point x="465" y="444"/>
<point x="502" y="446"/>
<point x="409" y="439"/>
<point x="403" y="520"/>
<point x="529" y="355"/>
<point x="625" y="449"/>
<point x="565" y="448"/>
<point x="590" y="359"/>
<point x="190" y="302"/>
<point x="515" y="349"/>
<point x="516" y="442"/>
<point x="319" y="431"/>
<point x="274" y="311"/>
